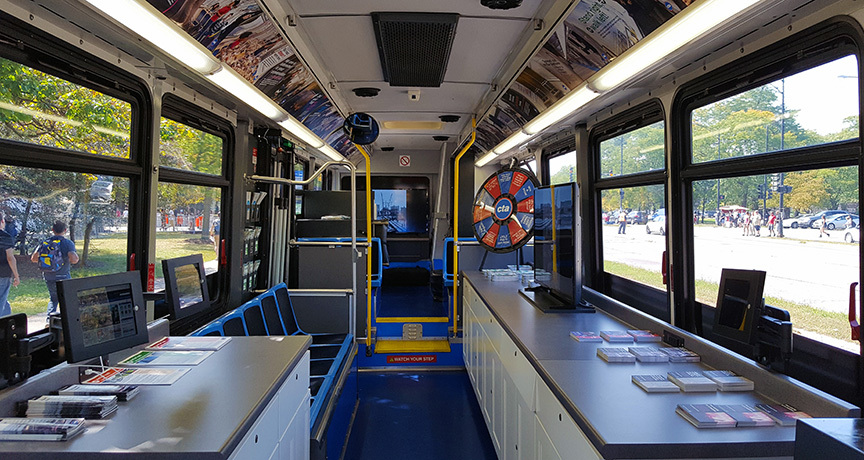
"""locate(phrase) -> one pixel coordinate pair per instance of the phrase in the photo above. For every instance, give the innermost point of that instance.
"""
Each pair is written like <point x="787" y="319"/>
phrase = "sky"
<point x="824" y="95"/>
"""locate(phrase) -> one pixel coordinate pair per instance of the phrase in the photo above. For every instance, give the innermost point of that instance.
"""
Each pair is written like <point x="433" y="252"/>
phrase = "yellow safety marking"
<point x="412" y="346"/>
<point x="427" y="319"/>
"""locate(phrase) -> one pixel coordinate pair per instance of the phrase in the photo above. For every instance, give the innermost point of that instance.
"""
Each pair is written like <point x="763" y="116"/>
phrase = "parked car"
<point x="839" y="221"/>
<point x="101" y="190"/>
<point x="829" y="215"/>
<point x="656" y="225"/>
<point x="637" y="217"/>
<point x="806" y="221"/>
<point x="853" y="235"/>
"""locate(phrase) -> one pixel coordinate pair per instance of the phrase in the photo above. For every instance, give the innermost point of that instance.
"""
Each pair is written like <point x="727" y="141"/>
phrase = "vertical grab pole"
<point x="368" y="249"/>
<point x="456" y="223"/>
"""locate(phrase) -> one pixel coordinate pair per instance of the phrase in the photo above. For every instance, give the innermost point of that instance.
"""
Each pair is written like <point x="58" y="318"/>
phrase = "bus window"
<point x="42" y="109"/>
<point x="189" y="149"/>
<point x="633" y="152"/>
<point x="562" y="168"/>
<point x="810" y="268"/>
<point x="813" y="107"/>
<point x="94" y="209"/>
<point x="634" y="229"/>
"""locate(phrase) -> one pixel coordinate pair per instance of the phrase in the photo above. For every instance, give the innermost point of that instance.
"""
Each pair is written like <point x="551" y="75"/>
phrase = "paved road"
<point x="801" y="267"/>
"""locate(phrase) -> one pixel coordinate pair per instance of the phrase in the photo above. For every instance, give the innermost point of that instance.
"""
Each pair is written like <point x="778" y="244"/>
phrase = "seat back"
<point x="212" y="328"/>
<point x="271" y="314"/>
<point x="285" y="310"/>
<point x="233" y="325"/>
<point x="253" y="318"/>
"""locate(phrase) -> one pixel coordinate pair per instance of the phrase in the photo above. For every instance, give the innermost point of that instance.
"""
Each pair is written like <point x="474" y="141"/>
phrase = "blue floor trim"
<point x="418" y="416"/>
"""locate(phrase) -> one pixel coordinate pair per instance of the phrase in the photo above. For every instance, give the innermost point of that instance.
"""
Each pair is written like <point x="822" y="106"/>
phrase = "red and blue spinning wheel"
<point x="504" y="210"/>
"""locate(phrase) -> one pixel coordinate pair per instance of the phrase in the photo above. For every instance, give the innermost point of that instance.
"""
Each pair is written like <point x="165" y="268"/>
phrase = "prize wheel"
<point x="504" y="210"/>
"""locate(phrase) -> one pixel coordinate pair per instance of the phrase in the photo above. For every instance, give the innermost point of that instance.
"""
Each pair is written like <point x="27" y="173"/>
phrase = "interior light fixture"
<point x="485" y="159"/>
<point x="573" y="101"/>
<point x="233" y="83"/>
<point x="303" y="133"/>
<point x="331" y="152"/>
<point x="681" y="30"/>
<point x="512" y="141"/>
<point x="150" y="24"/>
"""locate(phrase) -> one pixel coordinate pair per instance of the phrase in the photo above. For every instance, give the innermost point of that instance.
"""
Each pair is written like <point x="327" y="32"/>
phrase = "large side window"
<point x="800" y="225"/>
<point x="192" y="190"/>
<point x="70" y="168"/>
<point x="629" y="157"/>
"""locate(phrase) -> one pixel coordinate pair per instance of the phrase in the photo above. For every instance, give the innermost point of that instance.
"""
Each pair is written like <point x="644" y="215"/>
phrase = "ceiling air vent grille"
<point x="414" y="47"/>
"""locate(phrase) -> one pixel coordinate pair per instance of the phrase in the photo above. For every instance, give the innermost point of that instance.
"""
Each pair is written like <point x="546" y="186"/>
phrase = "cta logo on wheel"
<point x="503" y="208"/>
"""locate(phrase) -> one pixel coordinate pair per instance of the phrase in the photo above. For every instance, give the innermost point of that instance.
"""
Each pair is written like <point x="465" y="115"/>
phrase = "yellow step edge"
<point x="425" y="319"/>
<point x="412" y="346"/>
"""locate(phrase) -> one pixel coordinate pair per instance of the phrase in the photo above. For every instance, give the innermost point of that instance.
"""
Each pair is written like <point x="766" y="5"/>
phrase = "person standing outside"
<point x="823" y="227"/>
<point x="622" y="222"/>
<point x="56" y="270"/>
<point x="8" y="268"/>
<point x="772" y="220"/>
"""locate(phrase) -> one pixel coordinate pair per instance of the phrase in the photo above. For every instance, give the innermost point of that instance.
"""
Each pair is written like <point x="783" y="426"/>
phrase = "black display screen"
<point x="406" y="211"/>
<point x="555" y="258"/>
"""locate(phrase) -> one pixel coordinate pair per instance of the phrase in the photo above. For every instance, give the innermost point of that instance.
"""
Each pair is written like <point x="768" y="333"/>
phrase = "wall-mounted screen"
<point x="102" y="314"/>
<point x="406" y="211"/>
<point x="557" y="259"/>
<point x="739" y="304"/>
<point x="186" y="290"/>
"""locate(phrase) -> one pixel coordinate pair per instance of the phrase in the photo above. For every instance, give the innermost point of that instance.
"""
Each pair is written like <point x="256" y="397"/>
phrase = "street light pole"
<point x="781" y="188"/>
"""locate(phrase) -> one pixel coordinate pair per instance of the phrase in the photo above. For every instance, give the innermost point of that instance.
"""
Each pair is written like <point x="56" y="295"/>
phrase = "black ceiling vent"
<point x="449" y="118"/>
<point x="387" y="149"/>
<point x="501" y="4"/>
<point x="366" y="92"/>
<point x="440" y="138"/>
<point x="414" y="47"/>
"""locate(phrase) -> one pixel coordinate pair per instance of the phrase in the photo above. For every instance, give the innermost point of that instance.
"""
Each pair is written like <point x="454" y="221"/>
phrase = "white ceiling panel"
<point x="463" y="7"/>
<point x="415" y="142"/>
<point x="351" y="57"/>
<point x="484" y="43"/>
<point x="449" y="98"/>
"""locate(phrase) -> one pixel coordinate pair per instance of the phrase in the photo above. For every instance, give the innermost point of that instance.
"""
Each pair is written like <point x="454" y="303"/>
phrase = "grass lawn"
<point x="830" y="324"/>
<point x="107" y="255"/>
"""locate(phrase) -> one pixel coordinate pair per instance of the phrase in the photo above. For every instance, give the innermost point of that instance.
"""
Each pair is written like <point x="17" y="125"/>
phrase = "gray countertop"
<point x="202" y="416"/>
<point x="620" y="419"/>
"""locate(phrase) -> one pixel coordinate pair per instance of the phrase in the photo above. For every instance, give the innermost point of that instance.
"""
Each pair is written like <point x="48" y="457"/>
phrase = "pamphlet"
<point x="649" y="354"/>
<point x="139" y="376"/>
<point x="681" y="355"/>
<point x="166" y="358"/>
<point x="616" y="336"/>
<point x="728" y="381"/>
<point x="645" y="336"/>
<point x="39" y="429"/>
<point x="692" y="381"/>
<point x="655" y="383"/>
<point x="68" y="406"/>
<point x="705" y="416"/>
<point x="189" y="343"/>
<point x="616" y="355"/>
<point x="746" y="415"/>
<point x="122" y="392"/>
<point x="581" y="336"/>
<point x="783" y="414"/>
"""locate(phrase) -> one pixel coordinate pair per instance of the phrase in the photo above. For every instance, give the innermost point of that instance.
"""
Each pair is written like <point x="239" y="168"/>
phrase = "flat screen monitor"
<point x="557" y="243"/>
<point x="739" y="304"/>
<point x="405" y="210"/>
<point x="186" y="290"/>
<point x="102" y="314"/>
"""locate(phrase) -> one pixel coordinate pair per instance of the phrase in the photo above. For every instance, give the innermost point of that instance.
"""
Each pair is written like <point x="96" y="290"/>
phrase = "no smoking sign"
<point x="404" y="161"/>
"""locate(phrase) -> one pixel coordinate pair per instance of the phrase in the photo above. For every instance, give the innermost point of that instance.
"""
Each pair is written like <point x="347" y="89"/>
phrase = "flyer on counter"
<point x="138" y="376"/>
<point x="166" y="358"/>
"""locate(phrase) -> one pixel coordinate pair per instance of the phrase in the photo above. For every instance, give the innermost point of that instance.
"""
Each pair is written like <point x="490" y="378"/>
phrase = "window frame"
<point x="186" y="113"/>
<point x="642" y="297"/>
<point x="38" y="50"/>
<point x="819" y="364"/>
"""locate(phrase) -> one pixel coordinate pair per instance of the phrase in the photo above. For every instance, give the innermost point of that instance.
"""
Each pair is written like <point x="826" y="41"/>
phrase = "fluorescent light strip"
<point x="149" y="23"/>
<point x="233" y="83"/>
<point x="485" y="159"/>
<point x="685" y="27"/>
<point x="331" y="152"/>
<point x="303" y="133"/>
<point x="515" y="139"/>
<point x="573" y="101"/>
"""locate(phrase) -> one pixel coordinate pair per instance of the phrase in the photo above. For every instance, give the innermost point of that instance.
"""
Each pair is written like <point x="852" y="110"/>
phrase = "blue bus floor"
<point x="409" y="301"/>
<point x="418" y="416"/>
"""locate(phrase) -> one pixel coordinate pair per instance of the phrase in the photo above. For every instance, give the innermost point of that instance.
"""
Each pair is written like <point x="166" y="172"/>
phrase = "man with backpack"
<point x="55" y="257"/>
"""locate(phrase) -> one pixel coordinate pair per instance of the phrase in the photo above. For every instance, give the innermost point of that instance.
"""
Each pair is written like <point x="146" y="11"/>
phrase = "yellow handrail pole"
<point x="369" y="248"/>
<point x="456" y="222"/>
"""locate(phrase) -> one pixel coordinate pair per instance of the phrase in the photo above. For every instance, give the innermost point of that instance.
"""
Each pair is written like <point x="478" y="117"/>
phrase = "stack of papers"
<point x="138" y="376"/>
<point x="616" y="355"/>
<point x="783" y="414"/>
<point x="122" y="392"/>
<point x="746" y="415"/>
<point x="649" y="354"/>
<point x="39" y="429"/>
<point x="616" y="336"/>
<point x="728" y="381"/>
<point x="189" y="343"/>
<point x="166" y="358"/>
<point x="680" y="355"/>
<point x="692" y="381"/>
<point x="705" y="416"/>
<point x="585" y="336"/>
<point x="69" y="406"/>
<point x="655" y="383"/>
<point x="645" y="336"/>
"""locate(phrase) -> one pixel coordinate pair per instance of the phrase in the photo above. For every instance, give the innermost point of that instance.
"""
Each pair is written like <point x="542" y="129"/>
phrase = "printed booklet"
<point x="616" y="355"/>
<point x="728" y="381"/>
<point x="649" y="354"/>
<point x="189" y="343"/>
<point x="645" y="336"/>
<point x="580" y="336"/>
<point x="39" y="429"/>
<point x="783" y="414"/>
<point x="746" y="415"/>
<point x="138" y="376"/>
<point x="681" y="355"/>
<point x="166" y="358"/>
<point x="122" y="392"/>
<point x="655" y="383"/>
<point x="705" y="416"/>
<point x="691" y="381"/>
<point x="616" y="336"/>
